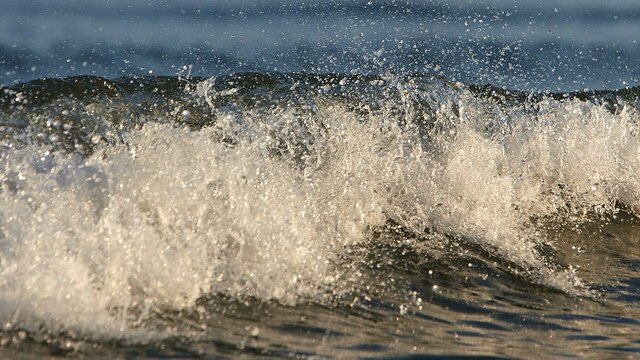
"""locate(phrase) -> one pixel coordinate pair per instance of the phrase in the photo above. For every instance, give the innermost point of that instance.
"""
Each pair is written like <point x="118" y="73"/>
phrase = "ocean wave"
<point x="123" y="198"/>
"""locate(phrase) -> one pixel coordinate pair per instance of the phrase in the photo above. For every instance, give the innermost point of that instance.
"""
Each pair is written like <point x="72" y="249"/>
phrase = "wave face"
<point x="145" y="211"/>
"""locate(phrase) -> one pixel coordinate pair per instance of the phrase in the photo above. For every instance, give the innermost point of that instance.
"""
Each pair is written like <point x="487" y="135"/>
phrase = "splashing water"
<point x="121" y="204"/>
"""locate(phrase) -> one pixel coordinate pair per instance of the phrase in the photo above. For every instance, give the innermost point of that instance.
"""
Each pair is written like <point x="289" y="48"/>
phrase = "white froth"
<point x="94" y="244"/>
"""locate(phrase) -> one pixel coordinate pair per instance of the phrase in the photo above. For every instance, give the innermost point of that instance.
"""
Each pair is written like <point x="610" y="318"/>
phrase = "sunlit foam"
<point x="94" y="244"/>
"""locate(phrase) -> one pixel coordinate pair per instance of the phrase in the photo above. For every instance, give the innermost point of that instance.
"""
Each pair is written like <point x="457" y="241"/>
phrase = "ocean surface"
<point x="319" y="179"/>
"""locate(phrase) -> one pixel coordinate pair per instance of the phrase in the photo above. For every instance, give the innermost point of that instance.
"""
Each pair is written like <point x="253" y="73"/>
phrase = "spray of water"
<point x="267" y="201"/>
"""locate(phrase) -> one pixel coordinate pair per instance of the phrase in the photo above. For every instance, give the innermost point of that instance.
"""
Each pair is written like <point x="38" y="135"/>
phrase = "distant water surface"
<point x="532" y="45"/>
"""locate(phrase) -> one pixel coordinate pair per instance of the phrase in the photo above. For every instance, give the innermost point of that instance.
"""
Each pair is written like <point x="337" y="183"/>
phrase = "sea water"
<point x="319" y="179"/>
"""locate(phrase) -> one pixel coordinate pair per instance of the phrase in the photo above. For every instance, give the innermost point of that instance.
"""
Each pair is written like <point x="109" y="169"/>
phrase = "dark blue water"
<point x="319" y="179"/>
<point x="533" y="45"/>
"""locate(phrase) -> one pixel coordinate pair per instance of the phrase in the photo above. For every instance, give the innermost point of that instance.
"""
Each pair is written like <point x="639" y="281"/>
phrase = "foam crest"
<point x="267" y="201"/>
<point x="169" y="217"/>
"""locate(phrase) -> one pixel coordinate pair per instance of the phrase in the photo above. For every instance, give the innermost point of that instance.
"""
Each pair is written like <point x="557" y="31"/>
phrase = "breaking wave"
<point x="123" y="199"/>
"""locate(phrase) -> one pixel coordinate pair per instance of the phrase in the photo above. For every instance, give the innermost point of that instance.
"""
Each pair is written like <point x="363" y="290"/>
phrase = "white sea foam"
<point x="92" y="245"/>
